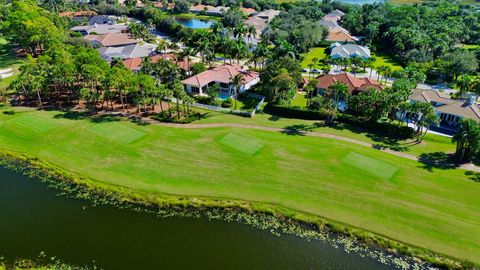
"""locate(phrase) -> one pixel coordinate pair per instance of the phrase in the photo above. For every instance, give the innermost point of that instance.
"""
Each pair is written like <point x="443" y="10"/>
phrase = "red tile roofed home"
<point x="248" y="11"/>
<point x="339" y="36"/>
<point x="221" y="75"/>
<point x="160" y="5"/>
<point x="77" y="13"/>
<point x="110" y="40"/>
<point x="355" y="85"/>
<point x="135" y="64"/>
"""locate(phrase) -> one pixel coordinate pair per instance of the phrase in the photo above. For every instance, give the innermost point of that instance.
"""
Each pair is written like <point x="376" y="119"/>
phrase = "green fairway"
<point x="8" y="59"/>
<point x="371" y="166"/>
<point x="116" y="132"/>
<point x="353" y="184"/>
<point x="248" y="146"/>
<point x="318" y="53"/>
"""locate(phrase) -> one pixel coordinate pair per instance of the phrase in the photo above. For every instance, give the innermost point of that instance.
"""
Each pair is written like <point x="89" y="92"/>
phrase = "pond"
<point x="35" y="219"/>
<point x="194" y="23"/>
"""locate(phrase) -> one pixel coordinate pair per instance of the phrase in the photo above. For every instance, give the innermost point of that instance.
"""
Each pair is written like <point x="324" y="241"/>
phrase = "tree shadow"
<point x="94" y="118"/>
<point x="274" y="118"/>
<point x="474" y="176"/>
<point x="297" y="130"/>
<point x="438" y="160"/>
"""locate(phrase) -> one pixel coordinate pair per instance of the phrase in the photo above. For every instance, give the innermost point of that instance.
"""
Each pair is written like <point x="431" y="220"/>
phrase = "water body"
<point x="33" y="218"/>
<point x="194" y="23"/>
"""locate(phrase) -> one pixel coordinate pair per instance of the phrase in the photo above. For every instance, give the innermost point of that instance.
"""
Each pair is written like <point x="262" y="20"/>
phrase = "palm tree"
<point x="467" y="139"/>
<point x="466" y="84"/>
<point x="334" y="93"/>
<point x="237" y="82"/>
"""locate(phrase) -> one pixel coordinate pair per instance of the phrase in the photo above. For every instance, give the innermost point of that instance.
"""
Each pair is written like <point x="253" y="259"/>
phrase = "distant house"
<point x="110" y="40"/>
<point x="160" y="5"/>
<point x="209" y="10"/>
<point x="268" y="15"/>
<point x="336" y="33"/>
<point x="125" y="52"/>
<point x="135" y="64"/>
<point x="82" y="13"/>
<point x="100" y="29"/>
<point x="222" y="76"/>
<point x="248" y="11"/>
<point x="348" y="51"/>
<point x="450" y="111"/>
<point x="354" y="85"/>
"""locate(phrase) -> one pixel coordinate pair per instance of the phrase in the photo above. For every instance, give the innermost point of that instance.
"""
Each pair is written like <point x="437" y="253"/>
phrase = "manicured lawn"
<point x="357" y="185"/>
<point x="299" y="100"/>
<point x="8" y="59"/>
<point x="318" y="52"/>
<point x="383" y="59"/>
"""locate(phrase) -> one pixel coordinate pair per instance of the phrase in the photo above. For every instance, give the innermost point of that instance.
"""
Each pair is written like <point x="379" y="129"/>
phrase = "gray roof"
<point x="100" y="28"/>
<point x="337" y="13"/>
<point x="126" y="52"/>
<point x="100" y="19"/>
<point x="329" y="24"/>
<point x="350" y="50"/>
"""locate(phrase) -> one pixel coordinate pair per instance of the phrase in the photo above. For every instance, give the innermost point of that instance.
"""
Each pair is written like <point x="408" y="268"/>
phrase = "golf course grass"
<point x="352" y="184"/>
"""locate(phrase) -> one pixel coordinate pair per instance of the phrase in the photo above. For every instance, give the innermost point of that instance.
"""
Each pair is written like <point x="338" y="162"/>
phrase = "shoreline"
<point x="352" y="238"/>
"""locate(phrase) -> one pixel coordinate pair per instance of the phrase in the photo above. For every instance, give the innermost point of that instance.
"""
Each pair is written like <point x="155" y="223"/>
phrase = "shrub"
<point x="294" y="112"/>
<point x="165" y="117"/>
<point x="227" y="103"/>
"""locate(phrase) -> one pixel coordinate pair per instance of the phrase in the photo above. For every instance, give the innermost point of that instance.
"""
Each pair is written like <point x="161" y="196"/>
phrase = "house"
<point x="110" y="40"/>
<point x="348" y="51"/>
<point x="450" y="111"/>
<point x="257" y="22"/>
<point x="222" y="76"/>
<point x="82" y="13"/>
<point x="100" y="19"/>
<point x="100" y="29"/>
<point x="209" y="10"/>
<point x="354" y="85"/>
<point x="125" y="52"/>
<point x="160" y="6"/>
<point x="248" y="11"/>
<point x="336" y="33"/>
<point x="268" y="15"/>
<point x="135" y="64"/>
<point x="334" y="16"/>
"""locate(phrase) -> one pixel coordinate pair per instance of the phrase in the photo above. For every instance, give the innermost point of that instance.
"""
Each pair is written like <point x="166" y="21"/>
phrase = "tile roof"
<point x="248" y="11"/>
<point x="222" y="74"/>
<point x="111" y="39"/>
<point x="136" y="63"/>
<point x="354" y="85"/>
<point x="125" y="52"/>
<point x="447" y="104"/>
<point x="339" y="36"/>
<point x="101" y="28"/>
<point x="268" y="14"/>
<point x="77" y="13"/>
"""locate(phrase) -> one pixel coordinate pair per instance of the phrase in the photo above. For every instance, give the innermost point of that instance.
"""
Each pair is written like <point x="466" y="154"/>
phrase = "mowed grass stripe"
<point x="28" y="123"/>
<point x="117" y="132"/>
<point x="372" y="166"/>
<point x="249" y="146"/>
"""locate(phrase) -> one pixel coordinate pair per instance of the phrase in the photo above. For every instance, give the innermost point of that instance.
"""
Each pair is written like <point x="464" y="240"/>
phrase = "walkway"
<point x="469" y="166"/>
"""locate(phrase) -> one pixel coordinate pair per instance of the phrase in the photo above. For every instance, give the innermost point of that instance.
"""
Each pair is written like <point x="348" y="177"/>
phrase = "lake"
<point x="35" y="219"/>
<point x="194" y="23"/>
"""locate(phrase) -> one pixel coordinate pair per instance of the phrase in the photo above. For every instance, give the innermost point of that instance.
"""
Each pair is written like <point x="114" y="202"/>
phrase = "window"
<point x="195" y="90"/>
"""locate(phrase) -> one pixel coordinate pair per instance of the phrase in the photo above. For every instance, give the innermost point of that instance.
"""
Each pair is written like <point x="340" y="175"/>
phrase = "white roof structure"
<point x="126" y="52"/>
<point x="100" y="29"/>
<point x="350" y="50"/>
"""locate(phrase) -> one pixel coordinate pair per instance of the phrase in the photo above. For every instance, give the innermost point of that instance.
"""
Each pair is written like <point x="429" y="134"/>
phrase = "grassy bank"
<point x="310" y="179"/>
<point x="8" y="59"/>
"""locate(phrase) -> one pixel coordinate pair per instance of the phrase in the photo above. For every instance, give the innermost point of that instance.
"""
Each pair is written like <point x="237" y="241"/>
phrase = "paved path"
<point x="469" y="166"/>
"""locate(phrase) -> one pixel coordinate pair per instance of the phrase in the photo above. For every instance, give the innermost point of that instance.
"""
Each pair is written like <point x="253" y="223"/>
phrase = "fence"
<point x="226" y="110"/>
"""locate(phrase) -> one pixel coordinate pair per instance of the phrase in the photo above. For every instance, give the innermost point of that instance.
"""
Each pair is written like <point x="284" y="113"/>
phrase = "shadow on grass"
<point x="298" y="130"/>
<point x="76" y="115"/>
<point x="474" y="176"/>
<point x="438" y="160"/>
